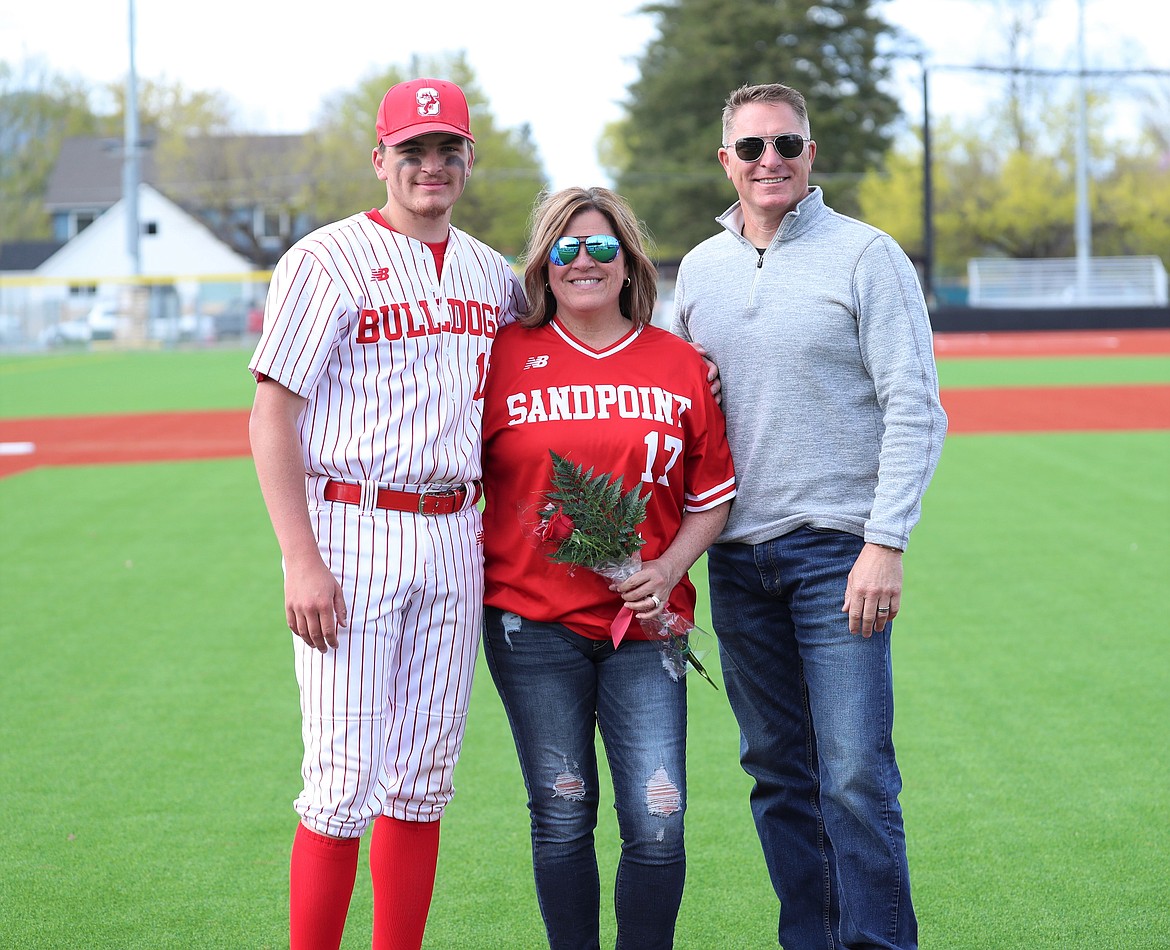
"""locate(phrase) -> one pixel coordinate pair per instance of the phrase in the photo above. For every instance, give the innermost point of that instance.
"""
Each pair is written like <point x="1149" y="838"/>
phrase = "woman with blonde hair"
<point x="586" y="375"/>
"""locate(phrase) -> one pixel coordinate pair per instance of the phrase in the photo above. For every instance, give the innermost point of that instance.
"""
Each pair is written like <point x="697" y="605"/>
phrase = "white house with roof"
<point x="184" y="272"/>
<point x="171" y="242"/>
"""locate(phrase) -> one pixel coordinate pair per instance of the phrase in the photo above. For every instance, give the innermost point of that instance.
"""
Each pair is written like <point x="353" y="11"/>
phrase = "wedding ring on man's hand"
<point x="657" y="602"/>
<point x="883" y="610"/>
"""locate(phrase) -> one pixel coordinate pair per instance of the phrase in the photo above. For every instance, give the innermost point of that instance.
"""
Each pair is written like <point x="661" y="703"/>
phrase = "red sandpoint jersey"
<point x="641" y="408"/>
<point x="391" y="356"/>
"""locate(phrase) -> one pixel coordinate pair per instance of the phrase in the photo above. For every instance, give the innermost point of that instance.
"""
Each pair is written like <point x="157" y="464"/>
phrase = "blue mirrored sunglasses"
<point x="603" y="248"/>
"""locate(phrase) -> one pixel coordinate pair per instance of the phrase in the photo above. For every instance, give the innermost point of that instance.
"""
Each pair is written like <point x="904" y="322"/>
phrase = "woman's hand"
<point x="647" y="592"/>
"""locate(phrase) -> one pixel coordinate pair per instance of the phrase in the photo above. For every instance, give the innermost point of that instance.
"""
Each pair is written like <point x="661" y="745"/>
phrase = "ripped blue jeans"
<point x="557" y="686"/>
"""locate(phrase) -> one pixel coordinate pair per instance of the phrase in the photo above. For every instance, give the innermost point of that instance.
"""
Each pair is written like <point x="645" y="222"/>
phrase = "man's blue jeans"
<point x="557" y="688"/>
<point x="815" y="707"/>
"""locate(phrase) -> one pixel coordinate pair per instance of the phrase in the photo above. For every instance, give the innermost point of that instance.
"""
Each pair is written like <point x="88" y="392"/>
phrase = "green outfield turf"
<point x="217" y="378"/>
<point x="149" y="741"/>
<point x="112" y="381"/>
<point x="1050" y="371"/>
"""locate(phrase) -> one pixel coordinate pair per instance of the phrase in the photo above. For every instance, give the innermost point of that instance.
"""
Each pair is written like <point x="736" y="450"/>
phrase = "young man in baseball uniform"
<point x="366" y="437"/>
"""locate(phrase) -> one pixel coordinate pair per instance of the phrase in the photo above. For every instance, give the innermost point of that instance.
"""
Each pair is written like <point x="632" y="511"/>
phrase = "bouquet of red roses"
<point x="592" y="523"/>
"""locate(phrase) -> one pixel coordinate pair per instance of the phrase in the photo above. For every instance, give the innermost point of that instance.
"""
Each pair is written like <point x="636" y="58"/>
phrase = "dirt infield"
<point x="1057" y="409"/>
<point x="178" y="436"/>
<point x="141" y="437"/>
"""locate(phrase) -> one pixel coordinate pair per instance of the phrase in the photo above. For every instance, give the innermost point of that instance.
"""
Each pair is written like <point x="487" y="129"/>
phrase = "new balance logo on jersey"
<point x="536" y="362"/>
<point x="380" y="273"/>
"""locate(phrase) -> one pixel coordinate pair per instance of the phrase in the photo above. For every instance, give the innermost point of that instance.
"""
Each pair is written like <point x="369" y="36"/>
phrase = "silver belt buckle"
<point x="434" y="493"/>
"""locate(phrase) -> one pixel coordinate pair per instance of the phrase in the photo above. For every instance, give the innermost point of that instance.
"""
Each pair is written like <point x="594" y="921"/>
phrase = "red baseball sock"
<point x="403" y="855"/>
<point x="321" y="876"/>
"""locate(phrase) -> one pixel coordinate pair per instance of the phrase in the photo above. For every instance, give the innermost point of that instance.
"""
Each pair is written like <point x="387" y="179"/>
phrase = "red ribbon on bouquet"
<point x="619" y="626"/>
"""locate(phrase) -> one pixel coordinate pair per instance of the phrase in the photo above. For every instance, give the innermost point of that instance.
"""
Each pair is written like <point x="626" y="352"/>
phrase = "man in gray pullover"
<point x="823" y="343"/>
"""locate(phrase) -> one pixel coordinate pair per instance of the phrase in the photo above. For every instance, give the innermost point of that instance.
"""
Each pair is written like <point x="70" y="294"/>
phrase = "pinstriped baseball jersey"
<point x="642" y="408"/>
<point x="390" y="356"/>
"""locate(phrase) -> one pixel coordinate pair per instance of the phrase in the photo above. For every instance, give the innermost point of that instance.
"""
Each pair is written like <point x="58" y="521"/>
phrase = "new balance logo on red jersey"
<point x="536" y="362"/>
<point x="380" y="273"/>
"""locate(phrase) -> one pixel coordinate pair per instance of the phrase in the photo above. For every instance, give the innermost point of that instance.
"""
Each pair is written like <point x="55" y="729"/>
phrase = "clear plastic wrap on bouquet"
<point x="681" y="643"/>
<point x="618" y="571"/>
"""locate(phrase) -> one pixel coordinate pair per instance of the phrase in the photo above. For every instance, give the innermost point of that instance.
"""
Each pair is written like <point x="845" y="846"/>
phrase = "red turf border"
<point x="1154" y="342"/>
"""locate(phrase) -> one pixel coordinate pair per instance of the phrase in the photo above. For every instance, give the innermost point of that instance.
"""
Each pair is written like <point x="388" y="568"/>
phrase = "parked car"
<point x="66" y="332"/>
<point x="103" y="320"/>
<point x="237" y="319"/>
<point x="232" y="320"/>
<point x="255" y="320"/>
<point x="101" y="323"/>
<point x="11" y="331"/>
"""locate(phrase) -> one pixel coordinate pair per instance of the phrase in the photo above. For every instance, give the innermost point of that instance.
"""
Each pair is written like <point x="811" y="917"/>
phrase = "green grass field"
<point x="149" y="741"/>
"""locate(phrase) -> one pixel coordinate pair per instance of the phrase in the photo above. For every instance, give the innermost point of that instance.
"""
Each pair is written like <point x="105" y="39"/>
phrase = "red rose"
<point x="556" y="526"/>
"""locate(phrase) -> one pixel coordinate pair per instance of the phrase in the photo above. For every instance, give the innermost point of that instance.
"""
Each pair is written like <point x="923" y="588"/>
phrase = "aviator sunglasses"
<point x="750" y="148"/>
<point x="603" y="248"/>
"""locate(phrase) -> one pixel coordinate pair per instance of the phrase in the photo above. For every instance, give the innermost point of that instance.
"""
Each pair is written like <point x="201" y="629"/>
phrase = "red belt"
<point x="439" y="502"/>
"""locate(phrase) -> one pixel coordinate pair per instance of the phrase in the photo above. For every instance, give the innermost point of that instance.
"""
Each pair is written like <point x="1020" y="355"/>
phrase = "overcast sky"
<point x="277" y="61"/>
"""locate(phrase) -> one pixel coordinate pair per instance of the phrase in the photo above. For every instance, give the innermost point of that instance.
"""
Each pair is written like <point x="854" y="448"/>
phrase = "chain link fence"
<point x="98" y="313"/>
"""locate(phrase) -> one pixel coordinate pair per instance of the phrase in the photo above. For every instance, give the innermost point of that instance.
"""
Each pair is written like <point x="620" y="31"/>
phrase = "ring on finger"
<point x="656" y="601"/>
<point x="884" y="610"/>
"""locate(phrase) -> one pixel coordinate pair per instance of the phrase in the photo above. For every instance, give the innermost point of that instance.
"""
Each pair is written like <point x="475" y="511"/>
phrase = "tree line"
<point x="1013" y="198"/>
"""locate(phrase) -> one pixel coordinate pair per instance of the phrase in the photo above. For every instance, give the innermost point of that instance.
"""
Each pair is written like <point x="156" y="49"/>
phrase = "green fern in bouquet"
<point x="590" y="518"/>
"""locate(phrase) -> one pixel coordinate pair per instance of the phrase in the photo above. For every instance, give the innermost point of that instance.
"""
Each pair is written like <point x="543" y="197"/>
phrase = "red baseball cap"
<point x="421" y="106"/>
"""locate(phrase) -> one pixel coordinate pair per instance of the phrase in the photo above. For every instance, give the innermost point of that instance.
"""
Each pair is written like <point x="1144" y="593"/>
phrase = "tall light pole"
<point x="927" y="192"/>
<point x="1082" y="225"/>
<point x="1084" y="228"/>
<point x="130" y="171"/>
